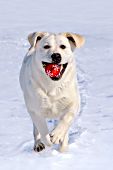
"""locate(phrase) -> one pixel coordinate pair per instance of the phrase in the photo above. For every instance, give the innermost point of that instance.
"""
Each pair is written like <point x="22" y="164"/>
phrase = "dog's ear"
<point x="33" y="38"/>
<point x="75" y="40"/>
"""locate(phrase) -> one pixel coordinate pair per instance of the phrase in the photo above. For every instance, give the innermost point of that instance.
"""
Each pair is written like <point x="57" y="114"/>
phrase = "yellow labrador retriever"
<point x="48" y="81"/>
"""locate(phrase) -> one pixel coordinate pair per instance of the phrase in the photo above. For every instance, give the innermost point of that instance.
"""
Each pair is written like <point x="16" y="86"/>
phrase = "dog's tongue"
<point x="53" y="70"/>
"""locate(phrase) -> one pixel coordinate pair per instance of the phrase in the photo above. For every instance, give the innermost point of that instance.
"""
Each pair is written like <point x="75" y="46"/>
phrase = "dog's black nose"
<point x="56" y="58"/>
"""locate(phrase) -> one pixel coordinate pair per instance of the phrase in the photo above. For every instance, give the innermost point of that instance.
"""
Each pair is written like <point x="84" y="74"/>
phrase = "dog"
<point x="49" y="84"/>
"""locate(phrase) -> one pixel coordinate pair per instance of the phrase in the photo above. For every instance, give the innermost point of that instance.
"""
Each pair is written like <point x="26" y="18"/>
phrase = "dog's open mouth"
<point x="54" y="71"/>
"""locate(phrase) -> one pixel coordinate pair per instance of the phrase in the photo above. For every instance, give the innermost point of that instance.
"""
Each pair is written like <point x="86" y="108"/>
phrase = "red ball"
<point x="53" y="70"/>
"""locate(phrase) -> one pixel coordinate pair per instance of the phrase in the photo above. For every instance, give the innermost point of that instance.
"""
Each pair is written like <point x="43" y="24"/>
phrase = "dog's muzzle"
<point x="54" y="70"/>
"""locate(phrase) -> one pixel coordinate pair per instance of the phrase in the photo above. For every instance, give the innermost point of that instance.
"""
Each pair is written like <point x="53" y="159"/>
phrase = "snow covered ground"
<point x="91" y="137"/>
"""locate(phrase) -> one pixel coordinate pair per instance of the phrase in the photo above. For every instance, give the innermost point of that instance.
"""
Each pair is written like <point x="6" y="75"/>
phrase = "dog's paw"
<point x="49" y="143"/>
<point x="39" y="147"/>
<point x="57" y="135"/>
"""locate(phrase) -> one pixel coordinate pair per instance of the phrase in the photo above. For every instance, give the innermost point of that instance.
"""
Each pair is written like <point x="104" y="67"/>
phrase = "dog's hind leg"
<point x="64" y="143"/>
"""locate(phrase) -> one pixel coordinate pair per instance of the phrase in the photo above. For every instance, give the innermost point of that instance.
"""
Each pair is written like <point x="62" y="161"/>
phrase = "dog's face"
<point x="54" y="52"/>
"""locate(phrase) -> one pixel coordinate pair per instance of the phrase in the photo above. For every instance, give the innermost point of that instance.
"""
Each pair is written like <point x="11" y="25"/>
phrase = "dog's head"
<point x="54" y="52"/>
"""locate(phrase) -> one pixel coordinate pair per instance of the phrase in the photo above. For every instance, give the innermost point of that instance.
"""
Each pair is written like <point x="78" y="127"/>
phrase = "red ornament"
<point x="52" y="70"/>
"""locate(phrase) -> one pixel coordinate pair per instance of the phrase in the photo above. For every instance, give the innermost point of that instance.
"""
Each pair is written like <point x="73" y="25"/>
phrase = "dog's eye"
<point x="62" y="46"/>
<point x="47" y="46"/>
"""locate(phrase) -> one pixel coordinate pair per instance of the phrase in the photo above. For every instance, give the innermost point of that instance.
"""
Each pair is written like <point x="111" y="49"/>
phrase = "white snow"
<point x="91" y="135"/>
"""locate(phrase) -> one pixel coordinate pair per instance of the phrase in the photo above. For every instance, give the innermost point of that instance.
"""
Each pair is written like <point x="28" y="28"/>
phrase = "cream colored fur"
<point x="46" y="98"/>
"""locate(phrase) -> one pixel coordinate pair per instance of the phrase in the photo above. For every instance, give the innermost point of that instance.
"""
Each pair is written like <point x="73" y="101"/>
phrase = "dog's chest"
<point x="54" y="104"/>
<point x="53" y="107"/>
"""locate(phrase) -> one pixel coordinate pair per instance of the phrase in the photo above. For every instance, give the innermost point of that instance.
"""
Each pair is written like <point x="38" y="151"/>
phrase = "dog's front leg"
<point x="59" y="134"/>
<point x="38" y="145"/>
<point x="40" y="131"/>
